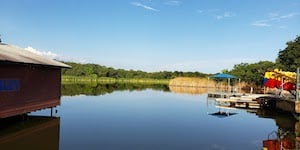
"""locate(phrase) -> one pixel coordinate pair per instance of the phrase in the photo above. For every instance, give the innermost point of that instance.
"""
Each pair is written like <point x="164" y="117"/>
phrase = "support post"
<point x="240" y="89"/>
<point x="228" y="85"/>
<point x="207" y="85"/>
<point x="297" y="84"/>
<point x="51" y="111"/>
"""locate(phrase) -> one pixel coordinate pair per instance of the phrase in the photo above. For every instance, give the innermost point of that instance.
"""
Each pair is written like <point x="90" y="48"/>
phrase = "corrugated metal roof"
<point x="9" y="53"/>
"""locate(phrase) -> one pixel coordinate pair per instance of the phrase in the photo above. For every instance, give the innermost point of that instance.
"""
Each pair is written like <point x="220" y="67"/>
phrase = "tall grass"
<point x="108" y="80"/>
<point x="193" y="84"/>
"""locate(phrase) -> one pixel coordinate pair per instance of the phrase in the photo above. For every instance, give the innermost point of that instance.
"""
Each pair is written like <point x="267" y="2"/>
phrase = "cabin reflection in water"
<point x="34" y="133"/>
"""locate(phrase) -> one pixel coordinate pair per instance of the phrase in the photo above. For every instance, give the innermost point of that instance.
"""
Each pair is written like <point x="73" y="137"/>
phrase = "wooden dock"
<point x="256" y="101"/>
<point x="223" y="95"/>
<point x="239" y="102"/>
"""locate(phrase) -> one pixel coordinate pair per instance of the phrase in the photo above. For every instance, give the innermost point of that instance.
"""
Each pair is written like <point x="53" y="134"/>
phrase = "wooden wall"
<point x="26" y="88"/>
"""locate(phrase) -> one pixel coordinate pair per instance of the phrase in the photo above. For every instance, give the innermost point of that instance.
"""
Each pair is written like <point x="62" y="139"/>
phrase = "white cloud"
<point x="138" y="4"/>
<point x="282" y="27"/>
<point x="47" y="54"/>
<point x="287" y="16"/>
<point x="173" y="3"/>
<point x="213" y="10"/>
<point x="216" y="13"/>
<point x="225" y="15"/>
<point x="55" y="56"/>
<point x="210" y="11"/>
<point x="261" y="24"/>
<point x="200" y="11"/>
<point x="273" y="19"/>
<point x="205" y="66"/>
<point x="273" y="14"/>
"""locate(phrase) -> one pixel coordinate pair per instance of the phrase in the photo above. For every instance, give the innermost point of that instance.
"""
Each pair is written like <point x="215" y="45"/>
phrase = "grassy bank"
<point x="107" y="80"/>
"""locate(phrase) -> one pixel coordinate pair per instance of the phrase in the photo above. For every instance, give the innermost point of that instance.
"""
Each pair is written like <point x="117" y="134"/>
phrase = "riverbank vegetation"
<point x="88" y="73"/>
<point x="110" y="80"/>
<point x="99" y="71"/>
<point x="251" y="74"/>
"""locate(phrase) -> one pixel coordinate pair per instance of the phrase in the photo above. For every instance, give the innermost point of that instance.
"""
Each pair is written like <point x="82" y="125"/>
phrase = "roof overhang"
<point x="16" y="55"/>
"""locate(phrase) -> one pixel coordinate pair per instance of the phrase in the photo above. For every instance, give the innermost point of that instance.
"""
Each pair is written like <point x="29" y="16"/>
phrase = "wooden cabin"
<point x="28" y="82"/>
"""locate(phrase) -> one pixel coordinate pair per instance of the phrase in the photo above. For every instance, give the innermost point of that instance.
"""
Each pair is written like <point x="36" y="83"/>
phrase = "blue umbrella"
<point x="224" y="76"/>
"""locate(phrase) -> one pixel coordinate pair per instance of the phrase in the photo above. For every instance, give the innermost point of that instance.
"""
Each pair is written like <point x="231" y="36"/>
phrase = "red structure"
<point x="28" y="82"/>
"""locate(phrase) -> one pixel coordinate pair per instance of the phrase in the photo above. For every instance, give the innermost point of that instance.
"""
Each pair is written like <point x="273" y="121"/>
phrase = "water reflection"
<point x="34" y="133"/>
<point x="287" y="135"/>
<point x="222" y="114"/>
<point x="188" y="90"/>
<point x="101" y="89"/>
<point x="149" y="120"/>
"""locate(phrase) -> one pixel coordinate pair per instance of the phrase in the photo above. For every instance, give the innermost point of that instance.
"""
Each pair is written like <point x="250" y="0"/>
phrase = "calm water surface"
<point x="154" y="120"/>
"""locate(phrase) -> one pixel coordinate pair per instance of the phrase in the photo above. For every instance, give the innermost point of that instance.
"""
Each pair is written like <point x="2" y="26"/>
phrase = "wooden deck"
<point x="239" y="102"/>
<point x="223" y="95"/>
<point x="256" y="101"/>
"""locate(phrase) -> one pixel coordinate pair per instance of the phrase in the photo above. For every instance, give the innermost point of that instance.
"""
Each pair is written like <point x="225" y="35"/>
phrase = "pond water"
<point x="143" y="118"/>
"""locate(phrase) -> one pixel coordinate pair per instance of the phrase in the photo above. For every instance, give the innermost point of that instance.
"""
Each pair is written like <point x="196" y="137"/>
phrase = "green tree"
<point x="252" y="73"/>
<point x="94" y="70"/>
<point x="289" y="58"/>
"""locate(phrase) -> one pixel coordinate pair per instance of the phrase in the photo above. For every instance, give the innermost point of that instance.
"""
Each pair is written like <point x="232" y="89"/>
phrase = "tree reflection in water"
<point x="101" y="89"/>
<point x="286" y="136"/>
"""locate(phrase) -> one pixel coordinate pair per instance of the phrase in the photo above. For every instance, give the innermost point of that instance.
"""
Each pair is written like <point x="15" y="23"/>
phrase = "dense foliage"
<point x="252" y="73"/>
<point x="289" y="58"/>
<point x="94" y="70"/>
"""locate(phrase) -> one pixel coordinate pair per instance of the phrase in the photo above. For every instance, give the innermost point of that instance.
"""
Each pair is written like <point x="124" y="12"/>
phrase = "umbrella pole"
<point x="240" y="85"/>
<point x="228" y="85"/>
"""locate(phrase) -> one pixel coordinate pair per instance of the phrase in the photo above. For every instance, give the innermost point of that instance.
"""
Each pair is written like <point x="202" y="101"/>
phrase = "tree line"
<point x="288" y="60"/>
<point x="98" y="71"/>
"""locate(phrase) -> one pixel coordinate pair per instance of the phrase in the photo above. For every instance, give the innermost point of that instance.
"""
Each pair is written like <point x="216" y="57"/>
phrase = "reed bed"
<point x="192" y="82"/>
<point x="194" y="85"/>
<point x="107" y="80"/>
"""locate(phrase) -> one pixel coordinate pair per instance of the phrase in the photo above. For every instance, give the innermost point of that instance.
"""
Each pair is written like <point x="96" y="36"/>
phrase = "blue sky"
<point x="153" y="35"/>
